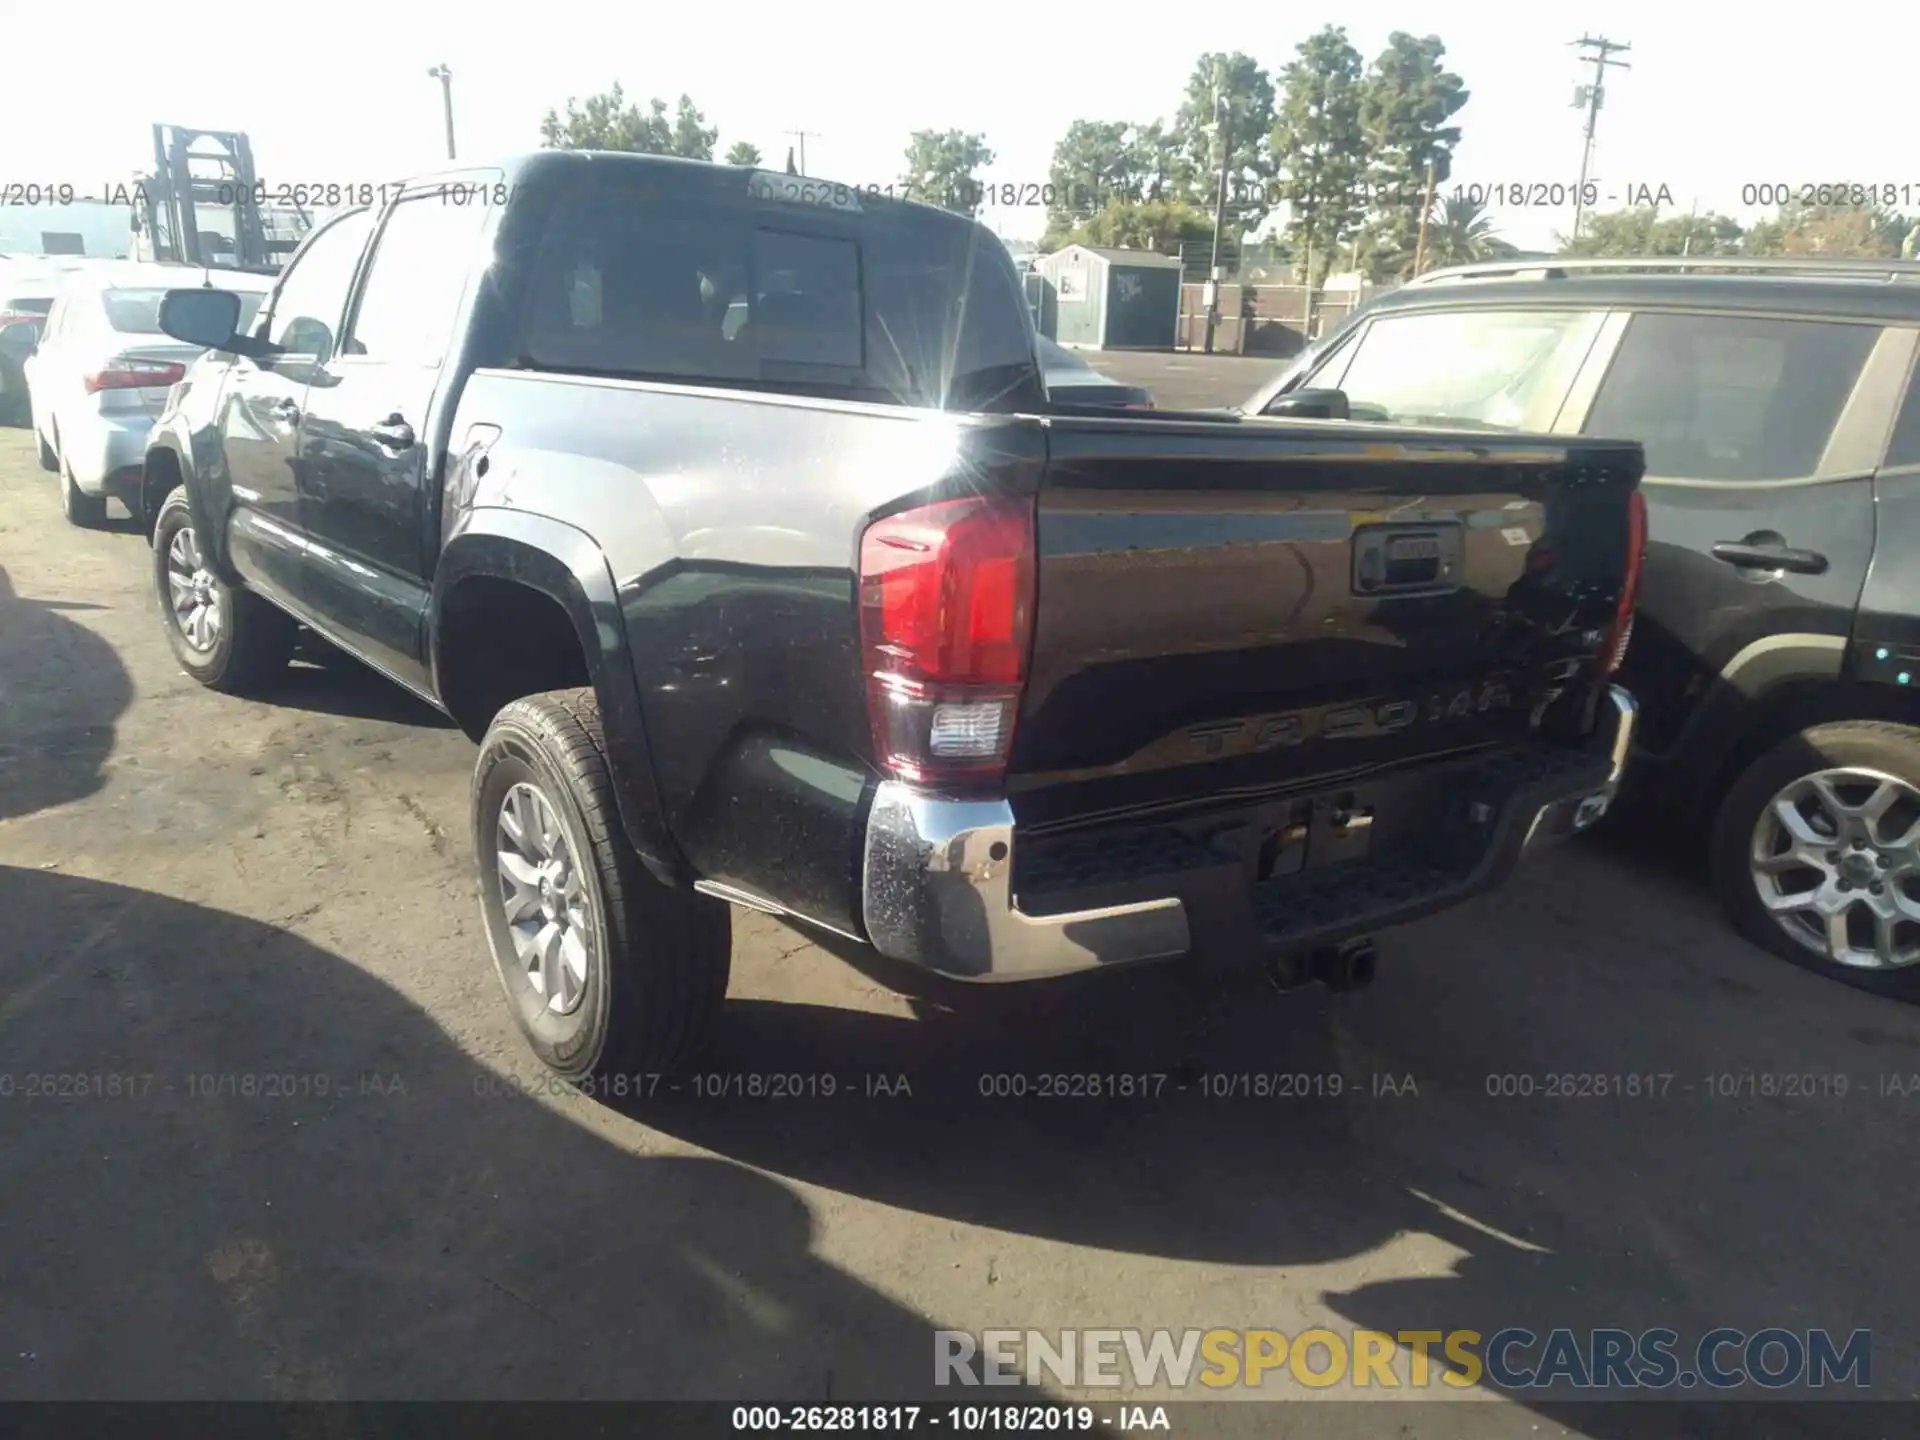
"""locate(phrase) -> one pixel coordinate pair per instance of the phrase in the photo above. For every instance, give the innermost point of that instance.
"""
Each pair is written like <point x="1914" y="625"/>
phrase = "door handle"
<point x="393" y="432"/>
<point x="1770" y="557"/>
<point x="285" y="411"/>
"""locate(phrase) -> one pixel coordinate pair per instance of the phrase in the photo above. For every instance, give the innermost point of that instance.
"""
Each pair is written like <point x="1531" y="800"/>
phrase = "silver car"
<point x="102" y="372"/>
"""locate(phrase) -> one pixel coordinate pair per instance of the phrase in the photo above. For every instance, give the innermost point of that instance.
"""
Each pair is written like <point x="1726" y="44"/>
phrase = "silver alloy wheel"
<point x="197" y="607"/>
<point x="545" y="899"/>
<point x="1836" y="861"/>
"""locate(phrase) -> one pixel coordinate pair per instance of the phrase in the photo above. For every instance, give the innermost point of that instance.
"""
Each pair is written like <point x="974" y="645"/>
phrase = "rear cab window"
<point x="657" y="273"/>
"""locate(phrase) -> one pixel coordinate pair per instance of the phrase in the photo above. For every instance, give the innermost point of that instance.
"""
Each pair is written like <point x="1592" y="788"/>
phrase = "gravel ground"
<point x="328" y="1168"/>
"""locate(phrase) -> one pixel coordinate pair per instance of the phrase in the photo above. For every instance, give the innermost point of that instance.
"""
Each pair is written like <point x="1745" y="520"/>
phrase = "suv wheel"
<point x="226" y="638"/>
<point x="1816" y="852"/>
<point x="609" y="972"/>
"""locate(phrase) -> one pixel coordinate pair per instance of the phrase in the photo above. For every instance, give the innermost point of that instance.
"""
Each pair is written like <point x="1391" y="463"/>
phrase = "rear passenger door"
<point x="1762" y="435"/>
<point x="368" y="450"/>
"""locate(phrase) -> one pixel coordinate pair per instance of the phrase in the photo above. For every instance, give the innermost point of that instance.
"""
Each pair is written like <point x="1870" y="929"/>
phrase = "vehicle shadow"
<point x="237" y="1167"/>
<point x="1438" y="1135"/>
<point x="62" y="691"/>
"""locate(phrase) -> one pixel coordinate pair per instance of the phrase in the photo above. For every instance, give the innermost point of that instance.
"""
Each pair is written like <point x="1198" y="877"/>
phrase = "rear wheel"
<point x="1816" y="853"/>
<point x="225" y="637"/>
<point x="609" y="972"/>
<point x="89" y="512"/>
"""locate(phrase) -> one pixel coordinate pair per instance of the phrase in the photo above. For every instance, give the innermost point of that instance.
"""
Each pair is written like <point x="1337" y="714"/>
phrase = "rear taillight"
<point x="946" y="621"/>
<point x="133" y="375"/>
<point x="1616" y="652"/>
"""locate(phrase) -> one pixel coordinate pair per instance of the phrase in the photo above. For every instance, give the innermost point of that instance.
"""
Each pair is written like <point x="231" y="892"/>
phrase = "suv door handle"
<point x="1770" y="557"/>
<point x="393" y="432"/>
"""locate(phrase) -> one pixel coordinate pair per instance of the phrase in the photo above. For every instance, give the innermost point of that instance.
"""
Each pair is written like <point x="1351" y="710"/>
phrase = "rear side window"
<point x="1724" y="397"/>
<point x="659" y="277"/>
<point x="1904" y="448"/>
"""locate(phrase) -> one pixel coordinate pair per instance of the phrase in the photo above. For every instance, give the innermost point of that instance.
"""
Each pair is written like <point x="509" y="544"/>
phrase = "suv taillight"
<point x="1616" y="652"/>
<point x="946" y="621"/>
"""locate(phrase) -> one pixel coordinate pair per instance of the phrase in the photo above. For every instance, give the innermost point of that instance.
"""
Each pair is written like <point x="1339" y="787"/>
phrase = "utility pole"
<point x="1219" y="212"/>
<point x="445" y="77"/>
<point x="801" y="136"/>
<point x="1598" y="49"/>
<point x="1426" y="209"/>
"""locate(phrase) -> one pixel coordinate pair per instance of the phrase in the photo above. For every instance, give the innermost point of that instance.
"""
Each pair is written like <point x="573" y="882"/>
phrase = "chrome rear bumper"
<point x="937" y="878"/>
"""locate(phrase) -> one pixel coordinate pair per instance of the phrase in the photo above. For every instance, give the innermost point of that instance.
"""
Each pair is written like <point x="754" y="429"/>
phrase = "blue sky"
<point x="339" y="91"/>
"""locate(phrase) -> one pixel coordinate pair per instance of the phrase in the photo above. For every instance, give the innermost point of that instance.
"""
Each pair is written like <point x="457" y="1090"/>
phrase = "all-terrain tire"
<point x="254" y="640"/>
<point x="654" y="959"/>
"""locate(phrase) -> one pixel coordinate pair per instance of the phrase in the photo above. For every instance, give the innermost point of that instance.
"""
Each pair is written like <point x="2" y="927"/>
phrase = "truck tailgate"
<point x="1227" y="607"/>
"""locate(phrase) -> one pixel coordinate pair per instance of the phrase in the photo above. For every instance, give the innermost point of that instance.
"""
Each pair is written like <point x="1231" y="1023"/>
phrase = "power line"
<point x="1598" y="49"/>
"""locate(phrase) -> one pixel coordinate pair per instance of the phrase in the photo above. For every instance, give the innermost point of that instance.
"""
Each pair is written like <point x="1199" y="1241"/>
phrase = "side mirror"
<point x="1311" y="405"/>
<point x="205" y="317"/>
<point x="19" y="339"/>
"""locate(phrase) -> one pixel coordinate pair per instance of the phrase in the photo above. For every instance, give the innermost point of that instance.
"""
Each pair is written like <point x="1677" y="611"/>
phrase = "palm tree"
<point x="1461" y="233"/>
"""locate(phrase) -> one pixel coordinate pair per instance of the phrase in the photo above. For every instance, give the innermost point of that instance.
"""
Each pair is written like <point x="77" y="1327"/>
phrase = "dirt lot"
<point x="297" y="1150"/>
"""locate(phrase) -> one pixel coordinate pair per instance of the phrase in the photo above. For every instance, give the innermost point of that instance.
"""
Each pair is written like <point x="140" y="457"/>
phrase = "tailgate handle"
<point x="1390" y="559"/>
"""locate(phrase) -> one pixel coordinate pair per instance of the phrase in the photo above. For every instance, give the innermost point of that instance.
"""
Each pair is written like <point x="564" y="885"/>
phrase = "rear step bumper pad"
<point x="937" y="876"/>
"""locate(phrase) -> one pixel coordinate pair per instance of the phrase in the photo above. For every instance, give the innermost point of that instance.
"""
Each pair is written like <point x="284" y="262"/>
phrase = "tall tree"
<point x="1845" y="230"/>
<point x="741" y="153"/>
<point x="1318" y="147"/>
<point x="1100" y="161"/>
<point x="1641" y="231"/>
<point x="610" y="121"/>
<point x="1236" y="89"/>
<point x="607" y="121"/>
<point x="1162" y="225"/>
<point x="692" y="137"/>
<point x="1093" y="163"/>
<point x="942" y="166"/>
<point x="1408" y="98"/>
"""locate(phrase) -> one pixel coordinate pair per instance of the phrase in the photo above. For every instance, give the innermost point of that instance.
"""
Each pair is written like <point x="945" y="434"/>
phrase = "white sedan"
<point x="102" y="371"/>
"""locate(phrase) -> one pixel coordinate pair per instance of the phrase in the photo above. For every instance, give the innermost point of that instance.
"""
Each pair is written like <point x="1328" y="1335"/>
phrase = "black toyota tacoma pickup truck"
<point x="728" y="512"/>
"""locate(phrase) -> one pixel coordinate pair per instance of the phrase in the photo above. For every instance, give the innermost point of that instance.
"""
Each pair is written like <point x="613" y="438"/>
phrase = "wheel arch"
<point x="498" y="556"/>
<point x="1781" y="711"/>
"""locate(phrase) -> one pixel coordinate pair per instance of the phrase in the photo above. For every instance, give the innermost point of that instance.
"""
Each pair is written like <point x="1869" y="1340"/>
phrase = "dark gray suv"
<point x="1777" y="648"/>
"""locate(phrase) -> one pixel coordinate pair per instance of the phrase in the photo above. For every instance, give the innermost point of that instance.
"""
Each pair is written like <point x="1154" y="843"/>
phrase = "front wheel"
<point x="225" y="637"/>
<point x="610" y="973"/>
<point x="1816" y="853"/>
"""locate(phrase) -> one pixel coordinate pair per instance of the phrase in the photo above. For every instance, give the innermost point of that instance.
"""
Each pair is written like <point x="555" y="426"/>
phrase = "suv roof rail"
<point x="1555" y="268"/>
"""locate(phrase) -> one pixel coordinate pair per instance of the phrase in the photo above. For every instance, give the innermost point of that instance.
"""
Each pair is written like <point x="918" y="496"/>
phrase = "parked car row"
<point x="100" y="374"/>
<point x="1777" y="647"/>
<point x="743" y="527"/>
